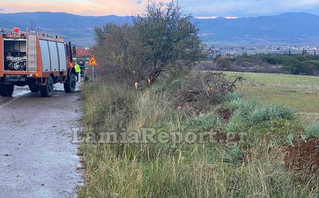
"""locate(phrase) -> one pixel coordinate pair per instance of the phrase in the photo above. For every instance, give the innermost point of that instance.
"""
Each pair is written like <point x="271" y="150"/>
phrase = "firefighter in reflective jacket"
<point x="77" y="70"/>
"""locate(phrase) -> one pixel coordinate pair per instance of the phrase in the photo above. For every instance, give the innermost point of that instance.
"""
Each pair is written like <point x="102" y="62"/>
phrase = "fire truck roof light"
<point x="16" y="30"/>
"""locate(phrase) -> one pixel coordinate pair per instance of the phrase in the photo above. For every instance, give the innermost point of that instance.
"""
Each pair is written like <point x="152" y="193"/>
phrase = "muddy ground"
<point x="303" y="157"/>
<point x="37" y="157"/>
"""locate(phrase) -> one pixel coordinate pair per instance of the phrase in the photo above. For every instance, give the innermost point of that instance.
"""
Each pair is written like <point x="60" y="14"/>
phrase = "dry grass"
<point x="189" y="170"/>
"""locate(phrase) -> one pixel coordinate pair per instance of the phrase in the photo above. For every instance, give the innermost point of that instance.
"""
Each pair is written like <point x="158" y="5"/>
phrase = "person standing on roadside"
<point x="77" y="70"/>
<point x="82" y="67"/>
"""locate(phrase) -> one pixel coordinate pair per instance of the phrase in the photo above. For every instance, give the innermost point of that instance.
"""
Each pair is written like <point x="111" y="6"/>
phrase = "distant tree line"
<point x="306" y="64"/>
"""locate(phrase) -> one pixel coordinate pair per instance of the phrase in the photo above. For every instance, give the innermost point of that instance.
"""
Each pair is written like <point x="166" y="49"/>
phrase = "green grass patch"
<point x="298" y="92"/>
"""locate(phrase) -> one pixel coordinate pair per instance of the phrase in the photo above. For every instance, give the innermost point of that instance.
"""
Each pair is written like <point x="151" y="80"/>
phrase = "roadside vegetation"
<point x="256" y="167"/>
<point x="146" y="84"/>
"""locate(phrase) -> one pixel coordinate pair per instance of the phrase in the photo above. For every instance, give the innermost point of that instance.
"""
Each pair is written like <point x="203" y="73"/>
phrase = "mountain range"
<point x="284" y="29"/>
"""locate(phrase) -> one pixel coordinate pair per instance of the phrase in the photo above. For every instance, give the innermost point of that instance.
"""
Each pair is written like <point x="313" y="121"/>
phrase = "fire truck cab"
<point x="37" y="60"/>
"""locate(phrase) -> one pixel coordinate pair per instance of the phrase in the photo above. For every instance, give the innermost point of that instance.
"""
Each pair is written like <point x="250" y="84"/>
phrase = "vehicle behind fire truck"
<point x="37" y="60"/>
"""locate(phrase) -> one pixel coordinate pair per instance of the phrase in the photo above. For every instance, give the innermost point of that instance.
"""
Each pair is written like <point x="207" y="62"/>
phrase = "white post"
<point x="93" y="72"/>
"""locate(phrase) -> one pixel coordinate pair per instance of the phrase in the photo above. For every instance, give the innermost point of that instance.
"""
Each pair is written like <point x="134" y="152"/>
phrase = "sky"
<point x="199" y="8"/>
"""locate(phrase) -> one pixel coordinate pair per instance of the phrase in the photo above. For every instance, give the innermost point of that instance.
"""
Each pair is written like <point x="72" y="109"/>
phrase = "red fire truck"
<point x="35" y="59"/>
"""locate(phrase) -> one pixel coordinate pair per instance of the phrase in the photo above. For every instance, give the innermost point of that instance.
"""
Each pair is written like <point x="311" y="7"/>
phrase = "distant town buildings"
<point x="234" y="51"/>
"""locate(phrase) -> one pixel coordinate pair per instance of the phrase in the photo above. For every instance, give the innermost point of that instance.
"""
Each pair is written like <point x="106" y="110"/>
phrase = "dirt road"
<point x="37" y="158"/>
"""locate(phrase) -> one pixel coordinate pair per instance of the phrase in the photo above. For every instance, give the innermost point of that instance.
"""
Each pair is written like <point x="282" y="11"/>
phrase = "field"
<point x="298" y="92"/>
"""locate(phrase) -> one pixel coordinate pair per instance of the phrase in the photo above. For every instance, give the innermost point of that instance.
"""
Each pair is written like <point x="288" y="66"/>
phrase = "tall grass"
<point x="188" y="170"/>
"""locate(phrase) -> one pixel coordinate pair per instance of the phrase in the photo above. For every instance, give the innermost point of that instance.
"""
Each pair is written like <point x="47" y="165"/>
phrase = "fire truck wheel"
<point x="6" y="90"/>
<point x="33" y="88"/>
<point x="47" y="90"/>
<point x="69" y="85"/>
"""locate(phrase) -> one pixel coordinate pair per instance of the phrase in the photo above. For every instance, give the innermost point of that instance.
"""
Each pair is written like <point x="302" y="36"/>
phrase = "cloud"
<point x="306" y="4"/>
<point x="131" y="7"/>
<point x="87" y="7"/>
<point x="81" y="7"/>
<point x="208" y="17"/>
<point x="247" y="7"/>
<point x="215" y="17"/>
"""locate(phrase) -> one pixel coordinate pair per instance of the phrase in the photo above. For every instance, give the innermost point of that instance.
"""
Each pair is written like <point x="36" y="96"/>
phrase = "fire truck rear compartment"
<point x="15" y="55"/>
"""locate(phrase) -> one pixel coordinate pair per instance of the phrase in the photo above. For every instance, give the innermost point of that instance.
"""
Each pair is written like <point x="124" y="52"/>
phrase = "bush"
<point x="271" y="112"/>
<point x="201" y="91"/>
<point x="312" y="131"/>
<point x="204" y="123"/>
<point x="248" y="114"/>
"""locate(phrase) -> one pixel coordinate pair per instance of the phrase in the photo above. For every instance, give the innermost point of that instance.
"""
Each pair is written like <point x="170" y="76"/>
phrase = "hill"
<point x="288" y="28"/>
<point x="78" y="29"/>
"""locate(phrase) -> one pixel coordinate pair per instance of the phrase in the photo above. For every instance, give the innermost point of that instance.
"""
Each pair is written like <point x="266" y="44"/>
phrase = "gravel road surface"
<point x="37" y="158"/>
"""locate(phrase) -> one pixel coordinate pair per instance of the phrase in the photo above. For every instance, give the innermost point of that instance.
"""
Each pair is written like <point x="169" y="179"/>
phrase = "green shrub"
<point x="312" y="131"/>
<point x="251" y="113"/>
<point x="234" y="96"/>
<point x="271" y="112"/>
<point x="205" y="123"/>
